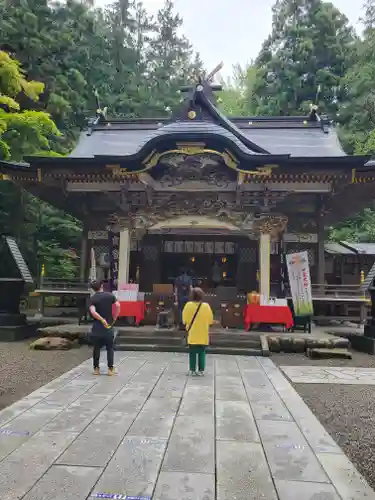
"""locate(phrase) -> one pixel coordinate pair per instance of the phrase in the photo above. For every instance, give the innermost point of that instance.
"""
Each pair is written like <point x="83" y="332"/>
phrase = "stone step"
<point x="175" y="348"/>
<point x="148" y="332"/>
<point x="149" y="339"/>
<point x="236" y="351"/>
<point x="150" y="347"/>
<point x="316" y="352"/>
<point x="240" y="343"/>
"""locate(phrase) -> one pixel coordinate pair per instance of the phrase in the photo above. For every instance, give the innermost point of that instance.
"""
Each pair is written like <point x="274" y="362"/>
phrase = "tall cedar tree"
<point x="171" y="61"/>
<point x="357" y="111"/>
<point x="308" y="50"/>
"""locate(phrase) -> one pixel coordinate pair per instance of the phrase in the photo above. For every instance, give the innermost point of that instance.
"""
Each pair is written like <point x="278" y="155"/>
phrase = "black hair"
<point x="96" y="285"/>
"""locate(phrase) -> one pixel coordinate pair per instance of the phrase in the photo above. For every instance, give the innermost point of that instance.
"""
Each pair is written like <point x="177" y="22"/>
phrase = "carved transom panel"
<point x="175" y="169"/>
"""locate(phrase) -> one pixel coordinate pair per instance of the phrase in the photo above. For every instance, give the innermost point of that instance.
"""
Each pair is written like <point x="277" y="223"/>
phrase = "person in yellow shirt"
<point x="197" y="317"/>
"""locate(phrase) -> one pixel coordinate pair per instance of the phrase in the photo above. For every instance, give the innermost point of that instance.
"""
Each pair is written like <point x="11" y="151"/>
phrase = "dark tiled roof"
<point x="297" y="142"/>
<point x="127" y="138"/>
<point x="117" y="142"/>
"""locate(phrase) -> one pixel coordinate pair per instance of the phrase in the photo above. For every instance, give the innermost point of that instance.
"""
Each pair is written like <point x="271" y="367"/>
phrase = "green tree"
<point x="357" y="110"/>
<point x="64" y="46"/>
<point x="303" y="60"/>
<point x="22" y="132"/>
<point x="43" y="233"/>
<point x="172" y="62"/>
<point x="237" y="97"/>
<point x="357" y="229"/>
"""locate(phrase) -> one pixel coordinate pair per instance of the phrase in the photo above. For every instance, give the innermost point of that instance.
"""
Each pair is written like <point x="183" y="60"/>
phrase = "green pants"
<point x="194" y="351"/>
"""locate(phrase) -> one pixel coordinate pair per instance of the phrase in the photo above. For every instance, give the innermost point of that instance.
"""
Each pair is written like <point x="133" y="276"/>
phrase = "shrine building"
<point x="223" y="197"/>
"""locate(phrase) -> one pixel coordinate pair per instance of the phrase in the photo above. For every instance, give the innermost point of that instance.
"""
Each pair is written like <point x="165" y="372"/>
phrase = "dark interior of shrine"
<point x="207" y="271"/>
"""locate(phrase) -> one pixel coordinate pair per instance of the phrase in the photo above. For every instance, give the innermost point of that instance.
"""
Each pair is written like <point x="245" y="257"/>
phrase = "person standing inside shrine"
<point x="197" y="317"/>
<point x="104" y="308"/>
<point x="216" y="274"/>
<point x="182" y="288"/>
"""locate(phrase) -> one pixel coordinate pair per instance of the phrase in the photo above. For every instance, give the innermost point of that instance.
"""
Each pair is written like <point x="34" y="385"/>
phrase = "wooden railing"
<point x="337" y="291"/>
<point x="318" y="291"/>
<point x="63" y="284"/>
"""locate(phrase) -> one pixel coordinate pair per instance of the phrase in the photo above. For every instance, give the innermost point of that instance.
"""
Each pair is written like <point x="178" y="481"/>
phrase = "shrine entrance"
<point x="210" y="260"/>
<point x="214" y="252"/>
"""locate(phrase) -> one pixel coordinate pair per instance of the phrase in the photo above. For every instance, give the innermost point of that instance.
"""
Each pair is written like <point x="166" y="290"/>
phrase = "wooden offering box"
<point x="155" y="303"/>
<point x="231" y="312"/>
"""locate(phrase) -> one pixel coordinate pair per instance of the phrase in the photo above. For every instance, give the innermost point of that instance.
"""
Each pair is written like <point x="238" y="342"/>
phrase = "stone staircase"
<point x="222" y="341"/>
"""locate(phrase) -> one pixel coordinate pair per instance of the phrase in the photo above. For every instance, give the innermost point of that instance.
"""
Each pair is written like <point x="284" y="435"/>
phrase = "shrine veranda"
<point x="201" y="190"/>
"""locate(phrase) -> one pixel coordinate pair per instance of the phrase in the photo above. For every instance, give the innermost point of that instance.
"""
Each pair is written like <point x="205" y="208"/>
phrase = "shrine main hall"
<point x="226" y="198"/>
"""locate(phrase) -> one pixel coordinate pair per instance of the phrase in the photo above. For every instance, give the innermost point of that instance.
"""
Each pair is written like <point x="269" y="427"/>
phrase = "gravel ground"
<point x="346" y="411"/>
<point x="23" y="370"/>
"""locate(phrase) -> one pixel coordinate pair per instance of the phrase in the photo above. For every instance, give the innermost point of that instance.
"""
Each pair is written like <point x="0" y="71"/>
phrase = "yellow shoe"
<point x="96" y="371"/>
<point x="111" y="371"/>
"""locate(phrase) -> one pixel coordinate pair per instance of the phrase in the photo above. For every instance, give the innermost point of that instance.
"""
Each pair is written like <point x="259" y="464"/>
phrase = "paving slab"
<point x="191" y="447"/>
<point x="288" y="453"/>
<point x="235" y="421"/>
<point x="65" y="483"/>
<point x="293" y="490"/>
<point x="134" y="468"/>
<point x="242" y="432"/>
<point x="156" y="418"/>
<point x="180" y="485"/>
<point x="331" y="375"/>
<point x="345" y="478"/>
<point x="242" y="472"/>
<point x="97" y="444"/>
<point x="230" y="388"/>
<point x="20" y="470"/>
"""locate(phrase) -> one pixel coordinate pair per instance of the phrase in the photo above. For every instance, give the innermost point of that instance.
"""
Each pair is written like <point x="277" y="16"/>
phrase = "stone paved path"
<point x="239" y="433"/>
<point x="329" y="375"/>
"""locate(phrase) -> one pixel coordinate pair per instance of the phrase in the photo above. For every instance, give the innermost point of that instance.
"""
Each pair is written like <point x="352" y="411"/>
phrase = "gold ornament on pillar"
<point x="271" y="224"/>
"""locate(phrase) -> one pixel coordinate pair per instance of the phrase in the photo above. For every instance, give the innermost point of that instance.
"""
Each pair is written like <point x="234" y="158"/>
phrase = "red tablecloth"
<point x="136" y="309"/>
<point x="255" y="313"/>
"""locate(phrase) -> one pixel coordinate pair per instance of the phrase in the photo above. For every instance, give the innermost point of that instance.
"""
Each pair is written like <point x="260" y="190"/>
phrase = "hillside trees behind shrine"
<point x="134" y="62"/>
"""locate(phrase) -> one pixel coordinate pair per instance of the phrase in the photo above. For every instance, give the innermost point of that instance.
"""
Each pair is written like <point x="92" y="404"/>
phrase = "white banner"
<point x="300" y="283"/>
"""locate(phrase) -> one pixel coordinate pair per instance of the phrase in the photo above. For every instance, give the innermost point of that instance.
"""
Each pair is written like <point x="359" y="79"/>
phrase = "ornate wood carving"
<point x="222" y="207"/>
<point x="193" y="151"/>
<point x="271" y="224"/>
<point x="177" y="169"/>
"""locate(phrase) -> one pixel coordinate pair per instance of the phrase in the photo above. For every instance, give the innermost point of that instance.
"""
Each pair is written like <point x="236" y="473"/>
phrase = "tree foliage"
<point x="55" y="57"/>
<point x="302" y="62"/>
<point x="22" y="131"/>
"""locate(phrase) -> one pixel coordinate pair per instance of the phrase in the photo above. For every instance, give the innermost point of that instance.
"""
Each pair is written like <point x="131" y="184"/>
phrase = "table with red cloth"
<point x="132" y="309"/>
<point x="277" y="315"/>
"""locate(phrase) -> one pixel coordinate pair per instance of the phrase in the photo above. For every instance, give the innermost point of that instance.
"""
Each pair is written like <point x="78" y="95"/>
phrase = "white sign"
<point x="128" y="292"/>
<point x="300" y="238"/>
<point x="98" y="235"/>
<point x="300" y="283"/>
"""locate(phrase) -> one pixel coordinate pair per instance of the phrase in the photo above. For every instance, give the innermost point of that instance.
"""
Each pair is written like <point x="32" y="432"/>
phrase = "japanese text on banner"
<point x="300" y="283"/>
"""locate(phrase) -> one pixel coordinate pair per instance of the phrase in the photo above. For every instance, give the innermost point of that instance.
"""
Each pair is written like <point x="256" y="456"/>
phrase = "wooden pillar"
<point x="84" y="255"/>
<point x="282" y="265"/>
<point x="124" y="257"/>
<point x="265" y="264"/>
<point x="321" y="253"/>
